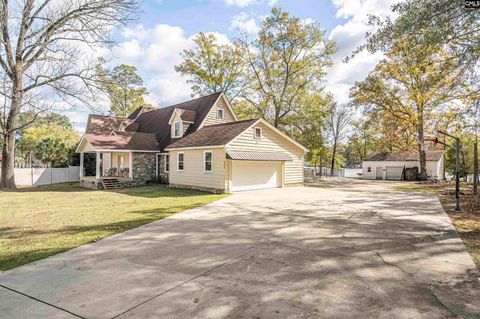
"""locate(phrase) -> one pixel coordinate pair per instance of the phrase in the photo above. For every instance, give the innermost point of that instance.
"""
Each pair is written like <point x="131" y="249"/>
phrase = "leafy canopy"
<point x="124" y="87"/>
<point x="285" y="62"/>
<point x="212" y="67"/>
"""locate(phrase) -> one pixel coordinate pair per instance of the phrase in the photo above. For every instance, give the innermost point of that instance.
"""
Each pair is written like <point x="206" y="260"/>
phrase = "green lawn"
<point x="43" y="221"/>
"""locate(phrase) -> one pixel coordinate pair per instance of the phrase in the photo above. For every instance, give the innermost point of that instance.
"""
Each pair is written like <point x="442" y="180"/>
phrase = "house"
<point x="390" y="166"/>
<point x="197" y="144"/>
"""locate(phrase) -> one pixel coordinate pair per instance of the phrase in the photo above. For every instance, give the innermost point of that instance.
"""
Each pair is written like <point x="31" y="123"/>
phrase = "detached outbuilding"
<point x="392" y="166"/>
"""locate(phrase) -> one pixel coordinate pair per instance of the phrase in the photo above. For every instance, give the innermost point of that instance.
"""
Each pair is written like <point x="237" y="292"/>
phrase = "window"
<point x="167" y="163"/>
<point x="258" y="133"/>
<point x="220" y="113"/>
<point x="208" y="161"/>
<point x="369" y="169"/>
<point x="180" y="160"/>
<point x="177" y="129"/>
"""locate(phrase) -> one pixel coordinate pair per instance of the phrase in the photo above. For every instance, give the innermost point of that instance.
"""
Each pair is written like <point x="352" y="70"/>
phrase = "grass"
<point x="39" y="222"/>
<point x="467" y="221"/>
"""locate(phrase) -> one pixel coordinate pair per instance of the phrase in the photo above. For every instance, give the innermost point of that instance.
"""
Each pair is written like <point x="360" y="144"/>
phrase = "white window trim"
<point x="165" y="162"/>
<point x="255" y="133"/>
<point x="179" y="129"/>
<point x="204" y="162"/>
<point x="219" y="110"/>
<point x="178" y="161"/>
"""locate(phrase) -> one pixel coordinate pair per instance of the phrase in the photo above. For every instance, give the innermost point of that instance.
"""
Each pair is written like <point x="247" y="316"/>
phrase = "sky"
<point x="164" y="28"/>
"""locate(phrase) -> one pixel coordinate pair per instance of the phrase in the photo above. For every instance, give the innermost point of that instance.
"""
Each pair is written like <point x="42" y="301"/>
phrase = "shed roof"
<point x="403" y="156"/>
<point x="257" y="156"/>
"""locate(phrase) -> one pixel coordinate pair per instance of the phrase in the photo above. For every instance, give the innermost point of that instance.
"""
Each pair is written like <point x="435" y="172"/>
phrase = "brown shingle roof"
<point x="156" y="121"/>
<point x="101" y="124"/>
<point x="403" y="156"/>
<point x="123" y="141"/>
<point x="213" y="135"/>
<point x="188" y="116"/>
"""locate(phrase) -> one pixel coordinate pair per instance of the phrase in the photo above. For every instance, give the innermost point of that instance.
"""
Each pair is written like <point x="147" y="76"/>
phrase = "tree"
<point x="447" y="23"/>
<point x="284" y="63"/>
<point x="124" y="88"/>
<point x="50" y="143"/>
<point x="410" y="85"/>
<point x="338" y="121"/>
<point x="213" y="67"/>
<point x="307" y="125"/>
<point x="42" y="58"/>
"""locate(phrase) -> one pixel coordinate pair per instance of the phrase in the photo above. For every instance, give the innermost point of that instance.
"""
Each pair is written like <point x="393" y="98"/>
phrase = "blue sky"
<point x="164" y="28"/>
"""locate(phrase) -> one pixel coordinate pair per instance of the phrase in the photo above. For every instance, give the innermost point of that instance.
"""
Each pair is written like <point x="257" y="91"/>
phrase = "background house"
<point x="390" y="166"/>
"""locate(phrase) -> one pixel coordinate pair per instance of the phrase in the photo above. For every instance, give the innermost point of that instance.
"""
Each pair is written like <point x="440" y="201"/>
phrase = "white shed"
<point x="390" y="166"/>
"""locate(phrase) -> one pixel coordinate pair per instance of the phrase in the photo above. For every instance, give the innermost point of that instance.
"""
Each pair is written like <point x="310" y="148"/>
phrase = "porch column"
<point x="97" y="167"/>
<point x="130" y="165"/>
<point x="81" y="164"/>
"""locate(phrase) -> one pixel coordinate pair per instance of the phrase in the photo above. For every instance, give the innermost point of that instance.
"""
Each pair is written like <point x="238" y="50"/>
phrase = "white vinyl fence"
<point x="45" y="176"/>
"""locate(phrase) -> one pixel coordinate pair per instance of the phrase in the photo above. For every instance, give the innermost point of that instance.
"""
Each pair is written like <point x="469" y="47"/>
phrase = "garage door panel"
<point x="394" y="173"/>
<point x="248" y="175"/>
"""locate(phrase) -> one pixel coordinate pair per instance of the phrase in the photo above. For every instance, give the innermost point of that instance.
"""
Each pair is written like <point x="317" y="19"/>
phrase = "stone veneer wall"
<point x="143" y="167"/>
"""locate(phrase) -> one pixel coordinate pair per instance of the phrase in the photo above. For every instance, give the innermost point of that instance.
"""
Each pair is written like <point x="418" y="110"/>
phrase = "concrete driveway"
<point x="350" y="250"/>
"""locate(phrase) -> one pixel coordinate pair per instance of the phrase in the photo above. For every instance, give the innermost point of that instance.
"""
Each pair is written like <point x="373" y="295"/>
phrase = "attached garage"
<point x="256" y="170"/>
<point x="394" y="173"/>
<point x="248" y="175"/>
<point x="237" y="156"/>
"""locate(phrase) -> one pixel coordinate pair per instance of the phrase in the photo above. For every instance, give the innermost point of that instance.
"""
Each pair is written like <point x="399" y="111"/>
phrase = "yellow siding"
<point x="271" y="141"/>
<point x="193" y="173"/>
<point x="212" y="119"/>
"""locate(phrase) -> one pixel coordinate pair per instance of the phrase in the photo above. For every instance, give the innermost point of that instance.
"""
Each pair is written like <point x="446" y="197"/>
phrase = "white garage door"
<point x="248" y="175"/>
<point x="394" y="173"/>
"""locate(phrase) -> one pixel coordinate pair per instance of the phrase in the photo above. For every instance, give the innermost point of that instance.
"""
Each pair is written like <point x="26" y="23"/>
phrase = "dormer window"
<point x="220" y="113"/>
<point x="177" y="131"/>
<point x="258" y="133"/>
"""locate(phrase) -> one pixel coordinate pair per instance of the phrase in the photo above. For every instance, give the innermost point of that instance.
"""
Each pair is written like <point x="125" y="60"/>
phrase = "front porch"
<point x="115" y="169"/>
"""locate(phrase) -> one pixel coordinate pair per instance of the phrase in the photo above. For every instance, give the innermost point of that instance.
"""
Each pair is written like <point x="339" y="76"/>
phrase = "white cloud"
<point x="348" y="36"/>
<point x="241" y="22"/>
<point x="155" y="52"/>
<point x="239" y="3"/>
<point x="246" y="3"/>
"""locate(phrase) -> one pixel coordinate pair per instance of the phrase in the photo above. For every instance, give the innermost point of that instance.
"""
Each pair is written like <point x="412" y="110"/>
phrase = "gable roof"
<point x="403" y="156"/>
<point x="213" y="135"/>
<point x="123" y="141"/>
<point x="156" y="121"/>
<point x="102" y="124"/>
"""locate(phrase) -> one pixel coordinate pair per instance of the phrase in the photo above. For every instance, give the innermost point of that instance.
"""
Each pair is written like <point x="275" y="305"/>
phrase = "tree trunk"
<point x="421" y="148"/>
<point x="7" y="178"/>
<point x="334" y="153"/>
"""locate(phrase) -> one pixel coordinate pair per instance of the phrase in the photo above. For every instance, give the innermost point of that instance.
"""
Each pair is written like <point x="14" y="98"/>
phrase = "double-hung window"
<point x="167" y="163"/>
<point x="177" y="129"/>
<point x="208" y="161"/>
<point x="220" y="113"/>
<point x="180" y="161"/>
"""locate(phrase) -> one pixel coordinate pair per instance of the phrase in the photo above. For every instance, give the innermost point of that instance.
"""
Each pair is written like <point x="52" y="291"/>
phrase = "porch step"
<point x="111" y="183"/>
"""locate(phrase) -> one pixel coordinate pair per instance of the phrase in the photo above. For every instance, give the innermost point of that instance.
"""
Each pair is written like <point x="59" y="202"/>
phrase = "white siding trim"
<point x="194" y="147"/>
